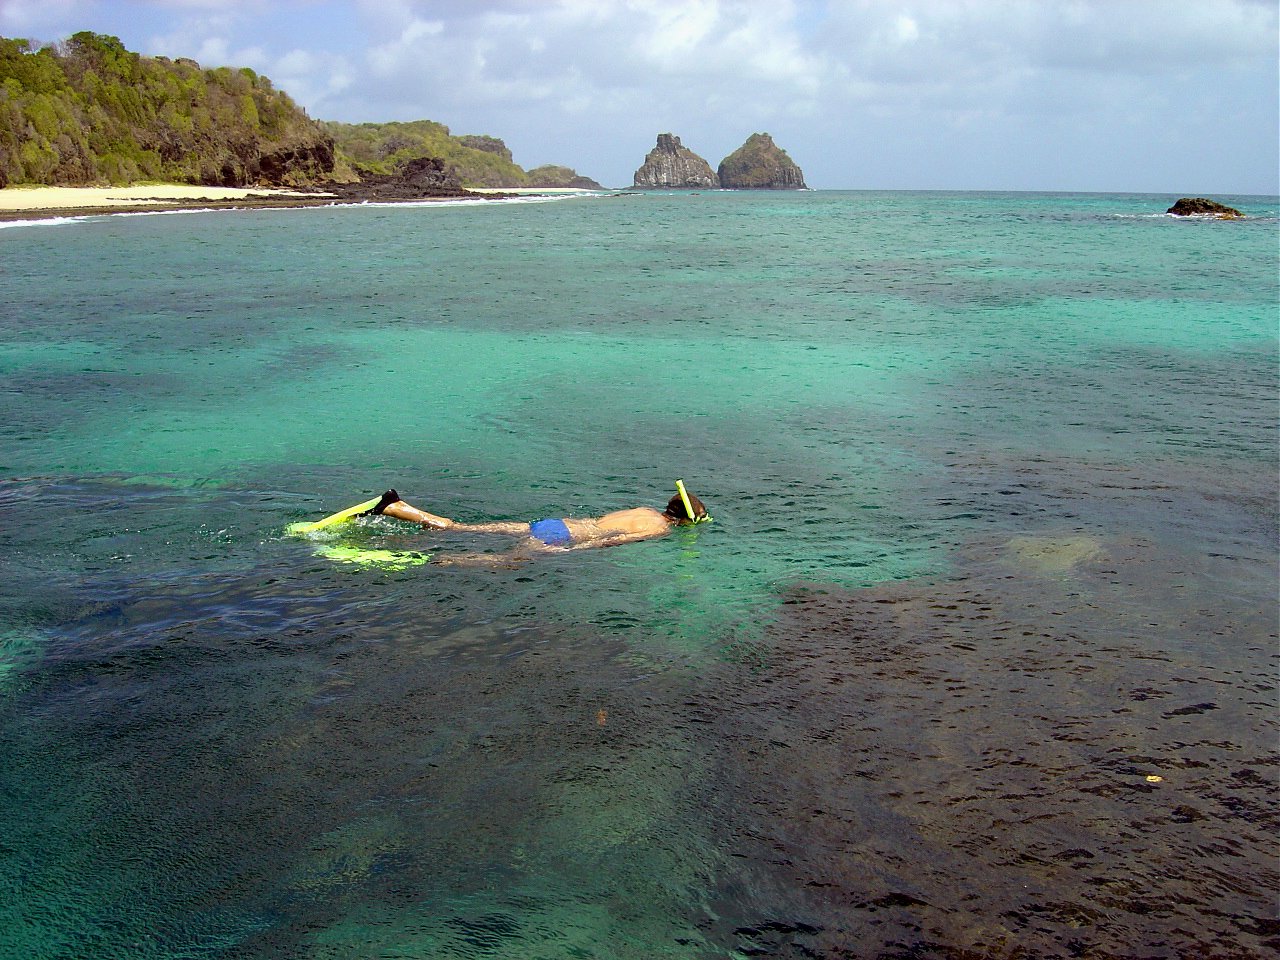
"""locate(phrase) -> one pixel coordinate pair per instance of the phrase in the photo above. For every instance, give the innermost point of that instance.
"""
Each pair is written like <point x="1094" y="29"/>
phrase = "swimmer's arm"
<point x="612" y="540"/>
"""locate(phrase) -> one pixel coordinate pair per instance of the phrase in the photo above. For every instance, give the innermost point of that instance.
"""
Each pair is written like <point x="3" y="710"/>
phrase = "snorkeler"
<point x="621" y="526"/>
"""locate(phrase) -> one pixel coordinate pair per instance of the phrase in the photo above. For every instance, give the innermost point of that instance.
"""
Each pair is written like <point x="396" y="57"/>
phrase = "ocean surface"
<point x="977" y="659"/>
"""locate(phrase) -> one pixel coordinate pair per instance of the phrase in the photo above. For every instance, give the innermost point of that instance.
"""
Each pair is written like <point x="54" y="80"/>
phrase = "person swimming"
<point x="565" y="533"/>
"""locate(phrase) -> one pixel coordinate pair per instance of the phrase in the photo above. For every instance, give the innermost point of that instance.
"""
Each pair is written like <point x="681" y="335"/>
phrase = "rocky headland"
<point x="1201" y="207"/>
<point x="671" y="166"/>
<point x="486" y="144"/>
<point x="556" y="177"/>
<point x="760" y="164"/>
<point x="374" y="149"/>
<point x="87" y="112"/>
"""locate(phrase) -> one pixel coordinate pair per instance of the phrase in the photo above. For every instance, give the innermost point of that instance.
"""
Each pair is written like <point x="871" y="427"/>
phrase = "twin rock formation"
<point x="759" y="164"/>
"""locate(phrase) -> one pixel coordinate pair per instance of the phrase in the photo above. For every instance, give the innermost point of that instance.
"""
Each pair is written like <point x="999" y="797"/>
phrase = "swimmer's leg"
<point x="511" y="527"/>
<point x="392" y="506"/>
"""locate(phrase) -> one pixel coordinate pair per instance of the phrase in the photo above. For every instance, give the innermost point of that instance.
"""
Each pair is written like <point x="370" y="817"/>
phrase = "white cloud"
<point x="589" y="52"/>
<point x="555" y="75"/>
<point x="671" y="35"/>
<point x="18" y="18"/>
<point x="568" y="79"/>
<point x="311" y="77"/>
<point x="906" y="30"/>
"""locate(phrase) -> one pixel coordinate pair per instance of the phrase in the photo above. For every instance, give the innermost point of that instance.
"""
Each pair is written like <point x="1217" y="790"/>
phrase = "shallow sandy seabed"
<point x="1048" y="555"/>
<point x="69" y="198"/>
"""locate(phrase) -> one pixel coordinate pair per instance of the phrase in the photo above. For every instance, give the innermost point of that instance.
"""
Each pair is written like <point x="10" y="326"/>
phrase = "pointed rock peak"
<point x="672" y="166"/>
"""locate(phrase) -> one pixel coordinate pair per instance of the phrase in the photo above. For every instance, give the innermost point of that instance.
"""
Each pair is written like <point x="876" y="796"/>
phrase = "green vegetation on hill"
<point x="488" y="144"/>
<point x="551" y="175"/>
<point x="477" y="161"/>
<point x="88" y="111"/>
<point x="383" y="148"/>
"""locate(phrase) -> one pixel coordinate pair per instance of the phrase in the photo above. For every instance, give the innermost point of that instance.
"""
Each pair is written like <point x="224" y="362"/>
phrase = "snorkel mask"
<point x="688" y="507"/>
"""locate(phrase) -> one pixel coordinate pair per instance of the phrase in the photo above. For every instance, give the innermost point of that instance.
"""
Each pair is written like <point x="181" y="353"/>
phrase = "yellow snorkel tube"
<point x="688" y="507"/>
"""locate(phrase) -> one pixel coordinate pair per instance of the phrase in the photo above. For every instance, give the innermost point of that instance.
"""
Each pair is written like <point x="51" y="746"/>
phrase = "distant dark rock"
<point x="555" y="176"/>
<point x="670" y="166"/>
<point x="760" y="164"/>
<point x="1199" y="207"/>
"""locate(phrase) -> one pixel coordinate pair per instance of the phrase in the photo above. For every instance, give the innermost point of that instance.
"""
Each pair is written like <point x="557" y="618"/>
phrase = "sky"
<point x="1151" y="96"/>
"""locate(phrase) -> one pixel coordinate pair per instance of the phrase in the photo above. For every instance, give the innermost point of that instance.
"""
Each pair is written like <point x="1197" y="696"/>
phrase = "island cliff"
<point x="760" y="164"/>
<point x="670" y="166"/>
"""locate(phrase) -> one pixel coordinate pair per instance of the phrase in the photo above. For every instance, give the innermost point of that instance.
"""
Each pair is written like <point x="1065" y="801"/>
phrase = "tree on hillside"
<point x="88" y="110"/>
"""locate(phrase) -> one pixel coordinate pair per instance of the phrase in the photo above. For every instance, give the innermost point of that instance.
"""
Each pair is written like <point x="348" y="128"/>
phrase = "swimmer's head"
<point x="677" y="512"/>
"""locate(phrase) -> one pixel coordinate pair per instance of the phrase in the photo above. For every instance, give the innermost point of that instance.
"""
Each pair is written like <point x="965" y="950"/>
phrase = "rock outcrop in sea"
<point x="1200" y="207"/>
<point x="671" y="166"/>
<point x="760" y="164"/>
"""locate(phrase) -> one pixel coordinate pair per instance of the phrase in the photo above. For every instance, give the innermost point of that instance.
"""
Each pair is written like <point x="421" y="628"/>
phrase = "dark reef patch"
<point x="1004" y="764"/>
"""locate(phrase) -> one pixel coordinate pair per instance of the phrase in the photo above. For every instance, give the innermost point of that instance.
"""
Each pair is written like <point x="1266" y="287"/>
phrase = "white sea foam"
<point x="43" y="222"/>
<point x="462" y="201"/>
<point x="167" y="213"/>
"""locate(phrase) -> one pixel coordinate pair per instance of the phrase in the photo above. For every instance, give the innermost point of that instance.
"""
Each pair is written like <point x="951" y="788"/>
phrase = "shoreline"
<point x="22" y="203"/>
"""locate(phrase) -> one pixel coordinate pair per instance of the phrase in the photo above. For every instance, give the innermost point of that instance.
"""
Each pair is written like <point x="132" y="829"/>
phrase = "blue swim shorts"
<point x="553" y="533"/>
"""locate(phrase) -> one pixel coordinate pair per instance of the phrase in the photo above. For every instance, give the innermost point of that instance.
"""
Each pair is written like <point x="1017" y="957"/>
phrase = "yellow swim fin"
<point x="297" y="529"/>
<point x="386" y="559"/>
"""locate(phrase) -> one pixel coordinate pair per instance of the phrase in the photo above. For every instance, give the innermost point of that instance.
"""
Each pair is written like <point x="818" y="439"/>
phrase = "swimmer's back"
<point x="637" y="521"/>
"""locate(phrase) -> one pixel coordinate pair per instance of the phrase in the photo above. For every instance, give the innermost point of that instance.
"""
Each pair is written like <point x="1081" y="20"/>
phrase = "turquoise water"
<point x="994" y="479"/>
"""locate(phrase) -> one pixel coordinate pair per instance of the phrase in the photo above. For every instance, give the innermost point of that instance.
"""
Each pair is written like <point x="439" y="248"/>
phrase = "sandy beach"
<point x="29" y="203"/>
<point x="35" y="203"/>
<point x="25" y="199"/>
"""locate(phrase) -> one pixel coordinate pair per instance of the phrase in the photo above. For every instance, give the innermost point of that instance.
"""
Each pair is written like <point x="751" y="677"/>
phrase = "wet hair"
<point x="676" y="511"/>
